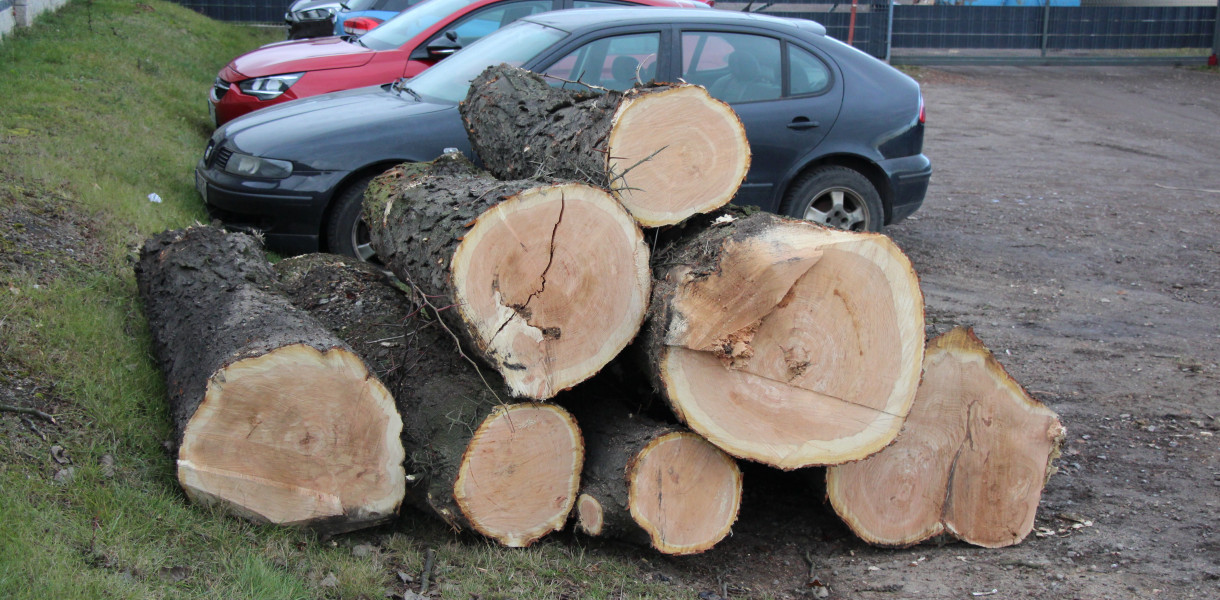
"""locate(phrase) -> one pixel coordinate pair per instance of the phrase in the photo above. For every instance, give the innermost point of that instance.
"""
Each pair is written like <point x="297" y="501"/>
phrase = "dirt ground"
<point x="1074" y="221"/>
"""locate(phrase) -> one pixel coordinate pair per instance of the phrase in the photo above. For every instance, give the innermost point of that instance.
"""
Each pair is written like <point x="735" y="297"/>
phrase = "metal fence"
<point x="931" y="34"/>
<point x="250" y="11"/>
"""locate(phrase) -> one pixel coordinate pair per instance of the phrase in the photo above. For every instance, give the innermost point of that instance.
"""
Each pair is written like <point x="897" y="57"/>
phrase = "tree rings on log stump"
<point x="275" y="418"/>
<point x="784" y="342"/>
<point x="666" y="151"/>
<point x="651" y="483"/>
<point x="290" y="437"/>
<point x="519" y="477"/>
<point x="972" y="459"/>
<point x="546" y="283"/>
<point x="554" y="283"/>
<point x="681" y="493"/>
<point x="673" y="153"/>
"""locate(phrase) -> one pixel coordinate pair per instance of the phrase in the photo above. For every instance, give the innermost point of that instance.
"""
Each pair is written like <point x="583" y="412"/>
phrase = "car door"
<point x="787" y="96"/>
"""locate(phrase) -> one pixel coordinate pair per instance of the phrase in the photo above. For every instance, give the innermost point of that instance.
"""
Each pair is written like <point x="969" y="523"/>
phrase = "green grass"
<point x="101" y="104"/>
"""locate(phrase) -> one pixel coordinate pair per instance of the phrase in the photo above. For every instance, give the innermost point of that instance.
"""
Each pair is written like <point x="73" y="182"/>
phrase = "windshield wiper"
<point x="401" y="86"/>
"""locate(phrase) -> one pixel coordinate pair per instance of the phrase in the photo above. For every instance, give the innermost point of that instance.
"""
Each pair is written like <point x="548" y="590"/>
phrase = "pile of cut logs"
<point x="494" y="379"/>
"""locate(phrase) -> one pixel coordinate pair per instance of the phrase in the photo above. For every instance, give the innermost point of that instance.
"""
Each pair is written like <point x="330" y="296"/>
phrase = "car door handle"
<point x="801" y="123"/>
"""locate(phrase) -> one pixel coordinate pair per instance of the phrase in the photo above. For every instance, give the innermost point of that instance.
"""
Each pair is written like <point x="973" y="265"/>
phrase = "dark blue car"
<point x="836" y="136"/>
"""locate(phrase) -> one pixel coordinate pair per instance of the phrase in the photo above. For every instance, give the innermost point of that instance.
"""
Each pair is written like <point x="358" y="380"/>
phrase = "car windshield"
<point x="410" y="23"/>
<point x="515" y="44"/>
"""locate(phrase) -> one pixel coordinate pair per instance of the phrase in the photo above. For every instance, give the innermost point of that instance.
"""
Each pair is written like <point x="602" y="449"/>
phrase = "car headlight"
<point x="266" y="88"/>
<point x="253" y="166"/>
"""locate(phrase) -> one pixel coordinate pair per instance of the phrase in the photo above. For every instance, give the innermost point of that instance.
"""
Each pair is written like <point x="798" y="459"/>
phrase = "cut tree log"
<point x="507" y="471"/>
<point x="651" y="483"/>
<point x="666" y="151"/>
<point x="275" y="418"/>
<point x="972" y="459"/>
<point x="784" y="342"/>
<point x="545" y="283"/>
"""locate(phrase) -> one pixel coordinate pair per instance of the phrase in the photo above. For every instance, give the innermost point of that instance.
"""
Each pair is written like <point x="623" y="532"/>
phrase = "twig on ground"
<point x="1185" y="189"/>
<point x="28" y="411"/>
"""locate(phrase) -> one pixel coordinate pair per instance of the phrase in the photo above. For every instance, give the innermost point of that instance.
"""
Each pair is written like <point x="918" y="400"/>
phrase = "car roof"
<point x="572" y="20"/>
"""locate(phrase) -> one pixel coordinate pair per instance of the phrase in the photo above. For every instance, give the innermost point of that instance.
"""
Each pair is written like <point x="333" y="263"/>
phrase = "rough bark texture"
<point x="545" y="283"/>
<point x="268" y="406"/>
<point x="972" y="459"/>
<point x="666" y="151"/>
<point x="448" y="406"/>
<point x="695" y="488"/>
<point x="784" y="342"/>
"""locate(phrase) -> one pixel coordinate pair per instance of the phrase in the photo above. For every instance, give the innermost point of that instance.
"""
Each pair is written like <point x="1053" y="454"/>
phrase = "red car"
<point x="402" y="47"/>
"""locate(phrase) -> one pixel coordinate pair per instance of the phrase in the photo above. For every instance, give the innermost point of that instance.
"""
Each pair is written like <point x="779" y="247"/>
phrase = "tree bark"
<point x="545" y="283"/>
<point x="650" y="483"/>
<point x="507" y="471"/>
<point x="784" y="342"/>
<point x="972" y="459"/>
<point x="665" y="151"/>
<point x="275" y="418"/>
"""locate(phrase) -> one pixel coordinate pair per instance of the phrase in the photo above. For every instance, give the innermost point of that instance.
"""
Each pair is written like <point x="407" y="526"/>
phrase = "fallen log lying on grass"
<point x="972" y="460"/>
<point x="507" y="471"/>
<point x="275" y="418"/>
<point x="546" y="283"/>
<point x="652" y="483"/>
<point x="666" y="151"/>
<point x="784" y="342"/>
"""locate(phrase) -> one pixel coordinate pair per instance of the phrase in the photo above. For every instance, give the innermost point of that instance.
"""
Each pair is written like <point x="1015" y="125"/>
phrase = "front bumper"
<point x="908" y="178"/>
<point x="287" y="212"/>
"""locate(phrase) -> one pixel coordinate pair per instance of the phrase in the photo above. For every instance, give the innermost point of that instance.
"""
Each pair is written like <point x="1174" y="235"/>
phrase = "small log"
<point x="666" y="151"/>
<point x="784" y="342"/>
<point x="651" y="483"/>
<point x="275" y="418"/>
<point x="545" y="283"/>
<point x="507" y="471"/>
<point x="972" y="459"/>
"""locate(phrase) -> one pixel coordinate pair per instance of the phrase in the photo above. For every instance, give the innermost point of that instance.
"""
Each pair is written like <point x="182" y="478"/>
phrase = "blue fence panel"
<point x="870" y="28"/>
<point x="968" y="27"/>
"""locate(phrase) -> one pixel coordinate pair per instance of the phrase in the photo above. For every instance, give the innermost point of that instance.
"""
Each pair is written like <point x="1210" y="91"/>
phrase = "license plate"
<point x="201" y="186"/>
<point x="212" y="112"/>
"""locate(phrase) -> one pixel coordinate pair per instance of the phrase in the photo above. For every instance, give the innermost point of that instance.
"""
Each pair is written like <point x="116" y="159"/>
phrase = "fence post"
<point x="1215" y="38"/>
<point x="1046" y="24"/>
<point x="889" y="27"/>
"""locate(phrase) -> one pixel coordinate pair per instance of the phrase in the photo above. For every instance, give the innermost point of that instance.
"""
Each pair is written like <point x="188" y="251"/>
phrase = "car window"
<point x="806" y="74"/>
<point x="410" y="23"/>
<point x="484" y="21"/>
<point x="616" y="62"/>
<point x="734" y="67"/>
<point x="449" y="80"/>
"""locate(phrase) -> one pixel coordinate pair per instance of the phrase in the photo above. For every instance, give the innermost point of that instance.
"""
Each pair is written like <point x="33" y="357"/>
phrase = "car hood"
<point x="301" y="55"/>
<point x="305" y="130"/>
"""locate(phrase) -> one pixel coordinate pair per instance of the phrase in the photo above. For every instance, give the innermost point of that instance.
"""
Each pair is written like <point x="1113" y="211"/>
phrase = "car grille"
<point x="219" y="89"/>
<point x="222" y="157"/>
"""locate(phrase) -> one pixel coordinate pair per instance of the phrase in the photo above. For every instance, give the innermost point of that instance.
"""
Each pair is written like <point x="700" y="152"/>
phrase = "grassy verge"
<point x="101" y="105"/>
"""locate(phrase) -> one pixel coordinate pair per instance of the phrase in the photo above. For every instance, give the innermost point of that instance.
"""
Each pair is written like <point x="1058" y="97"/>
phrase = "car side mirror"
<point x="444" y="45"/>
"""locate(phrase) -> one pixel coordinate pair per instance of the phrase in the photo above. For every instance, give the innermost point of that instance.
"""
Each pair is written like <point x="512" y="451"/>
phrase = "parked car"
<point x="836" y="135"/>
<point x="310" y="18"/>
<point x="357" y="17"/>
<point x="404" y="46"/>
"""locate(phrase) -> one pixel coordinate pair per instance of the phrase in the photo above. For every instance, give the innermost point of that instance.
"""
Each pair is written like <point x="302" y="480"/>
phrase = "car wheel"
<point x="837" y="197"/>
<point x="347" y="233"/>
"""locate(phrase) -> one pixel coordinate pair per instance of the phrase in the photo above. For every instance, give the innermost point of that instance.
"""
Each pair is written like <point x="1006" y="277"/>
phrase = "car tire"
<point x="835" y="196"/>
<point x="346" y="232"/>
